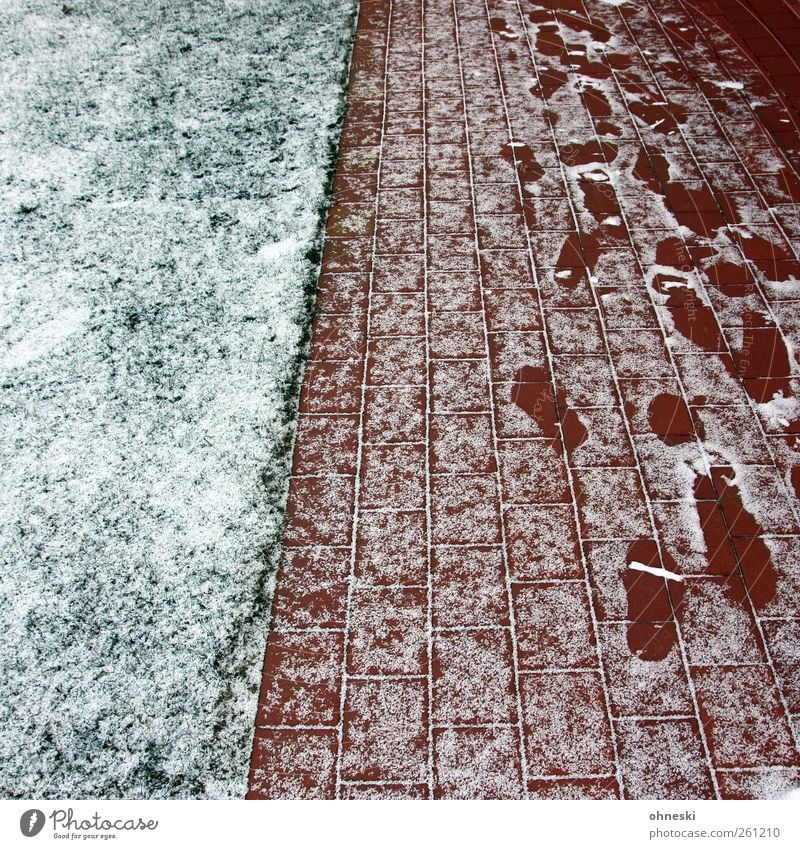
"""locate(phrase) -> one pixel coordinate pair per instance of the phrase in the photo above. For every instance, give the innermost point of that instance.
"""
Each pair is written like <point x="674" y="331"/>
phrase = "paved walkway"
<point x="543" y="533"/>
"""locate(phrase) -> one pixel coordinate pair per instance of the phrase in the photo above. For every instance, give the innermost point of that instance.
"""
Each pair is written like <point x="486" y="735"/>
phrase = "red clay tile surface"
<point x="543" y="536"/>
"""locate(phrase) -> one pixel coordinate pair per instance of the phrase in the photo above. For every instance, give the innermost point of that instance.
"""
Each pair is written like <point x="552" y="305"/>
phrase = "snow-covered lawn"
<point x="162" y="172"/>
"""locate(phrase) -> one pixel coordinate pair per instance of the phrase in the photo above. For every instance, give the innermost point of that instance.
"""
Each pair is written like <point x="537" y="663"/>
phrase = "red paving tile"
<point x="542" y="533"/>
<point x="457" y="750"/>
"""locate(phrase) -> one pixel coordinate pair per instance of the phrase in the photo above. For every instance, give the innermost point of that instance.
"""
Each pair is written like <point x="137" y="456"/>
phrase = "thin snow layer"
<point x="163" y="170"/>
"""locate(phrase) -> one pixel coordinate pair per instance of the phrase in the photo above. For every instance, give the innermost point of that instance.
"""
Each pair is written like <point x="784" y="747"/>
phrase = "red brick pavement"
<point x="769" y="30"/>
<point x="543" y="533"/>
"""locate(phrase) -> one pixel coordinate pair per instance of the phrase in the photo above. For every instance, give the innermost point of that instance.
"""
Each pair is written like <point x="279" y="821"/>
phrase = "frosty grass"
<point x="163" y="167"/>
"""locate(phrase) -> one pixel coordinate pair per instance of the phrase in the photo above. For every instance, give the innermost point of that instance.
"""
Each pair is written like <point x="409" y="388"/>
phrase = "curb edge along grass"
<point x="159" y="304"/>
<point x="275" y="478"/>
<point x="277" y="486"/>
